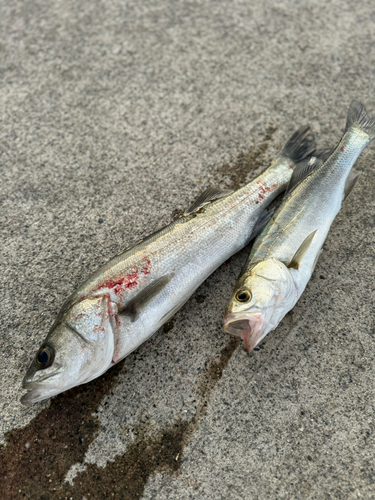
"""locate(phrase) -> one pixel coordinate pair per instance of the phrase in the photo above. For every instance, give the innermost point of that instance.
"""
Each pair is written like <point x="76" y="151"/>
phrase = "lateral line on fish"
<point x="209" y="218"/>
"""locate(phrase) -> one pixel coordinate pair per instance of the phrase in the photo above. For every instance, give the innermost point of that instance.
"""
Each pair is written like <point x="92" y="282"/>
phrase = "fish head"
<point x="78" y="348"/>
<point x="261" y="298"/>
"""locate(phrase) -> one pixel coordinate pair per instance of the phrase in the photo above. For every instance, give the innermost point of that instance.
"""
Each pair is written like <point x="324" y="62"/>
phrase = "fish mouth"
<point x="29" y="382"/>
<point x="38" y="394"/>
<point x="40" y="389"/>
<point x="248" y="327"/>
<point x="43" y="389"/>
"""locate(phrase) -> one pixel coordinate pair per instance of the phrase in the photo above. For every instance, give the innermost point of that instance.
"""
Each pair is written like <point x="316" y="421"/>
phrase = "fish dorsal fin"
<point x="302" y="170"/>
<point x="210" y="194"/>
<point x="300" y="145"/>
<point x="306" y="167"/>
<point x="301" y="252"/>
<point x="323" y="154"/>
<point x="351" y="181"/>
<point x="133" y="307"/>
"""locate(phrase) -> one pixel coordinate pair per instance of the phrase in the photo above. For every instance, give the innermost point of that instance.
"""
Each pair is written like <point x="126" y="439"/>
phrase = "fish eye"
<point x="45" y="356"/>
<point x="243" y="296"/>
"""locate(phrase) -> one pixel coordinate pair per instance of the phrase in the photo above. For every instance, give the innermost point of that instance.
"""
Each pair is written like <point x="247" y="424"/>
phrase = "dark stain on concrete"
<point x="168" y="326"/>
<point x="245" y="162"/>
<point x="36" y="458"/>
<point x="214" y="370"/>
<point x="153" y="449"/>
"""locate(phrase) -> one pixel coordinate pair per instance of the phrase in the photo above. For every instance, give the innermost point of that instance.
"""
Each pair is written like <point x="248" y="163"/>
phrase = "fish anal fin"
<point x="351" y="181"/>
<point x="210" y="194"/>
<point x="301" y="252"/>
<point x="133" y="307"/>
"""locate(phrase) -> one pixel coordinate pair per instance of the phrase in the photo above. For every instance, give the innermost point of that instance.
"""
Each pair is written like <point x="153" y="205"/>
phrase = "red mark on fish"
<point x="342" y="148"/>
<point x="265" y="189"/>
<point x="147" y="267"/>
<point x="131" y="279"/>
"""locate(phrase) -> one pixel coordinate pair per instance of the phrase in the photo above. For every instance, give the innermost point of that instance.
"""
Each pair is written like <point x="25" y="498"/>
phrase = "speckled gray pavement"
<point x="115" y="116"/>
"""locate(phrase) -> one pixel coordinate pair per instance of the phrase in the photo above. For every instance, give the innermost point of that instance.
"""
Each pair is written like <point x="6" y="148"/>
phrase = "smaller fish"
<point x="284" y="256"/>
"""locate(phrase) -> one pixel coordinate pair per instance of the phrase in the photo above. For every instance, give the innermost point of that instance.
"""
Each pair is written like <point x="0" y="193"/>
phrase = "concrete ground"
<point x="114" y="116"/>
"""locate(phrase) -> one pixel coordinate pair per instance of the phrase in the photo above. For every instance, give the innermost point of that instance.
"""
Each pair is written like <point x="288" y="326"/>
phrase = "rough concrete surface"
<point x="114" y="117"/>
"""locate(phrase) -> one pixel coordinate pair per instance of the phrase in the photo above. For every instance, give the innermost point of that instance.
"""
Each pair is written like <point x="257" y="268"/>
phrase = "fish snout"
<point x="247" y="327"/>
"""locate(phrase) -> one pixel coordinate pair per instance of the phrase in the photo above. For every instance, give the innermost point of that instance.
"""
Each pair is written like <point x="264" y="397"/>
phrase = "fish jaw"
<point x="247" y="326"/>
<point x="77" y="360"/>
<point x="38" y="392"/>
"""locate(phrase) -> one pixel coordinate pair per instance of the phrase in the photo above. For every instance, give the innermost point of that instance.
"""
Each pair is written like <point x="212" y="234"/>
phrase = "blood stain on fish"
<point x="265" y="189"/>
<point x="130" y="280"/>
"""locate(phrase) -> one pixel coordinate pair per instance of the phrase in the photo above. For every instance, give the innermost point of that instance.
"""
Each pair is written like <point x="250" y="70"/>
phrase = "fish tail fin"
<point x="359" y="119"/>
<point x="300" y="145"/>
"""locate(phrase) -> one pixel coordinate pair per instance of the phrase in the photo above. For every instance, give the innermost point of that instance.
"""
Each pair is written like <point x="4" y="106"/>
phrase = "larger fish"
<point x="284" y="255"/>
<point x="125" y="301"/>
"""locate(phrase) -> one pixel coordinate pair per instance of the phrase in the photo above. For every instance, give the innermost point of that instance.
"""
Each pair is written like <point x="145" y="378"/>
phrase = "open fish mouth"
<point x="247" y="327"/>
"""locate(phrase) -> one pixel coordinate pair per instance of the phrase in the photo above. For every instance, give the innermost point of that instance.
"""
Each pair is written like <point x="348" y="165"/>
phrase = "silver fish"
<point x="125" y="301"/>
<point x="283" y="257"/>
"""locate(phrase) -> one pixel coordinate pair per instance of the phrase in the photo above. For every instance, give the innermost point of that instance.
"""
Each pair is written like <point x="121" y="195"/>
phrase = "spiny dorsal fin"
<point x="210" y="194"/>
<point x="351" y="181"/>
<point x="301" y="252"/>
<point x="132" y="308"/>
<point x="323" y="154"/>
<point x="300" y="145"/>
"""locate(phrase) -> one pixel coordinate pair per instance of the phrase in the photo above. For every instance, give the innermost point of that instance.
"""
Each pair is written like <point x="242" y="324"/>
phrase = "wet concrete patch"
<point x="36" y="458"/>
<point x="153" y="449"/>
<point x="247" y="161"/>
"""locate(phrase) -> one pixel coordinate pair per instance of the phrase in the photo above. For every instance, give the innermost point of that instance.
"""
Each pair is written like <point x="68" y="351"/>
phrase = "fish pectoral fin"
<point x="210" y="194"/>
<point x="306" y="167"/>
<point x="351" y="181"/>
<point x="301" y="252"/>
<point x="133" y="307"/>
<point x="263" y="220"/>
